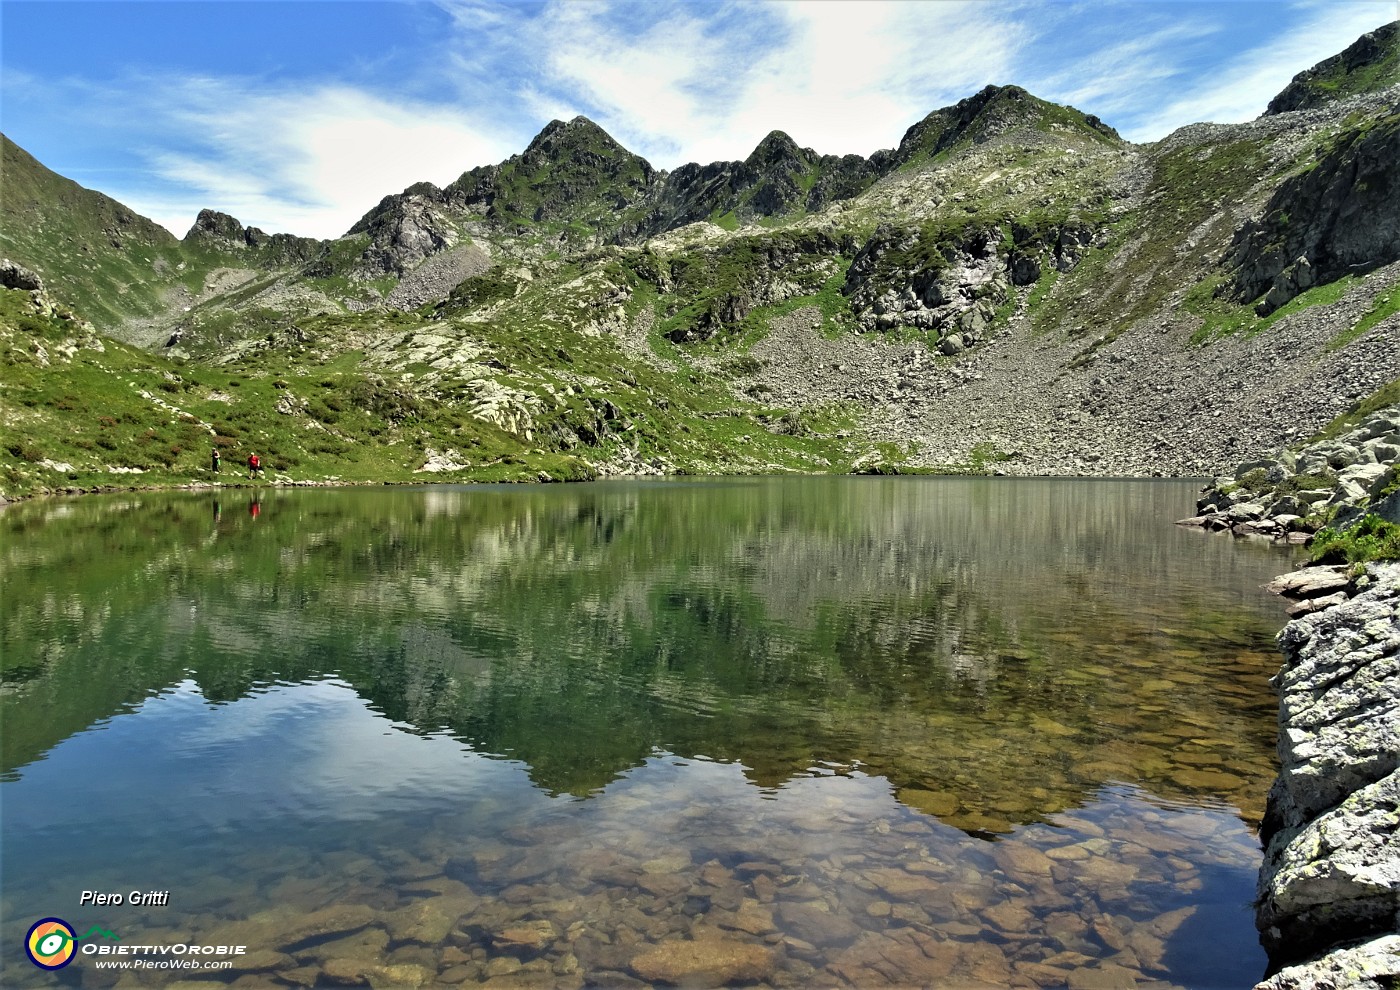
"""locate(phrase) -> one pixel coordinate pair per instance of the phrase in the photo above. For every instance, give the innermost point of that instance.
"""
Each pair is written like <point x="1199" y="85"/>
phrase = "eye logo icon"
<point x="49" y="944"/>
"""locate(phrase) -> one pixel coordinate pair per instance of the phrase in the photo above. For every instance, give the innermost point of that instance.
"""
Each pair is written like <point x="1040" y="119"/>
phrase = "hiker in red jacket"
<point x="254" y="466"/>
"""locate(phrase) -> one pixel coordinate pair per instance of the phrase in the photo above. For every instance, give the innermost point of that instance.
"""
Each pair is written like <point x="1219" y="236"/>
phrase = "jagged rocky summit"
<point x="1010" y="288"/>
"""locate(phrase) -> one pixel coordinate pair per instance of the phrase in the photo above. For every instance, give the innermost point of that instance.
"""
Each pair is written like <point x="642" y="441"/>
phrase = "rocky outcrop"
<point x="1328" y="904"/>
<point x="1370" y="966"/>
<point x="1331" y="876"/>
<point x="951" y="282"/>
<point x="1339" y="217"/>
<point x="16" y="276"/>
<point x="222" y="232"/>
<point x="1290" y="495"/>
<point x="405" y="230"/>
<point x="1370" y="62"/>
<point x="718" y="289"/>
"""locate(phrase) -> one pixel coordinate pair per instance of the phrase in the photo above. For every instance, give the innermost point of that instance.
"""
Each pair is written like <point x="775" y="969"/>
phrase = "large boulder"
<point x="1338" y="877"/>
<point x="1372" y="965"/>
<point x="1332" y="861"/>
<point x="15" y="276"/>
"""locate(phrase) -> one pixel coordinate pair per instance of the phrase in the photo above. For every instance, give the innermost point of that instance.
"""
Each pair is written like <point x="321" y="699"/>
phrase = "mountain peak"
<point x="576" y="133"/>
<point x="211" y="225"/>
<point x="777" y="147"/>
<point x="993" y="111"/>
<point x="1370" y="63"/>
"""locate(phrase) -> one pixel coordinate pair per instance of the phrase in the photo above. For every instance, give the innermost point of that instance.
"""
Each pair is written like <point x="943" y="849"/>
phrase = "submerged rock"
<point x="704" y="962"/>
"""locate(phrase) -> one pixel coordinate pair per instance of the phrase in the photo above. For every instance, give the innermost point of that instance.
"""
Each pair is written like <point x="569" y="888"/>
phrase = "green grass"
<point x="1341" y="81"/>
<point x="986" y="454"/>
<point x="941" y="135"/>
<point x="1386" y="304"/>
<point x="835" y="308"/>
<point x="707" y="287"/>
<point x="1385" y="397"/>
<point x="1114" y="287"/>
<point x="1370" y="538"/>
<point x="479" y="291"/>
<point x="359" y="414"/>
<point x="1049" y="276"/>
<point x="1222" y="318"/>
<point x="725" y="218"/>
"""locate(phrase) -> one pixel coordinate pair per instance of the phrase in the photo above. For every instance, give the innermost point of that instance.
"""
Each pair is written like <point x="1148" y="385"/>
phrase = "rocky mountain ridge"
<point x="1012" y="288"/>
<point x="1371" y="62"/>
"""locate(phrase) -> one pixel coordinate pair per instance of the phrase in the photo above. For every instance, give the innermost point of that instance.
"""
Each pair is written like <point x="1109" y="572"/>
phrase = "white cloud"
<point x="707" y="83"/>
<point x="1241" y="90"/>
<point x="674" y="82"/>
<point x="305" y="161"/>
<point x="1117" y="76"/>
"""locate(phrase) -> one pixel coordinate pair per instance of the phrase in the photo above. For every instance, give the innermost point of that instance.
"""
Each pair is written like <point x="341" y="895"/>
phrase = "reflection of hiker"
<point x="254" y="508"/>
<point x="214" y="460"/>
<point x="254" y="466"/>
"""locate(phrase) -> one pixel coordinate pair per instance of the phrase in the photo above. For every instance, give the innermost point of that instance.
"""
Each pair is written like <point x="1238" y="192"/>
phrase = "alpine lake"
<point x="784" y="732"/>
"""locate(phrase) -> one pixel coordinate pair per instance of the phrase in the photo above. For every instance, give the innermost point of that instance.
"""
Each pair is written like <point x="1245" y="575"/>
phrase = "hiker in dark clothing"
<point x="214" y="460"/>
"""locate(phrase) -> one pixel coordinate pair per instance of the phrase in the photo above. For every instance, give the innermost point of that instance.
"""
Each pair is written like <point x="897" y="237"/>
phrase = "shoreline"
<point x="246" y="484"/>
<point x="1328" y="895"/>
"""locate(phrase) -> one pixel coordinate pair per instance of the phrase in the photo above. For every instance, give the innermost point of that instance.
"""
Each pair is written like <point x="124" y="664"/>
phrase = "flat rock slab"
<point x="1310" y="605"/>
<point x="1310" y="582"/>
<point x="704" y="962"/>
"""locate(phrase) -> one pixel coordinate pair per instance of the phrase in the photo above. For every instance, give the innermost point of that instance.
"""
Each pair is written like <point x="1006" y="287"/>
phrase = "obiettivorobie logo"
<point x="51" y="943"/>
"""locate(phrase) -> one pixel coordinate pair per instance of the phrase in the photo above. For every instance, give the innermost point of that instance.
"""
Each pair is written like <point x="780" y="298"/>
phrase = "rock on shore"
<point x="1329" y="890"/>
<point x="1289" y="494"/>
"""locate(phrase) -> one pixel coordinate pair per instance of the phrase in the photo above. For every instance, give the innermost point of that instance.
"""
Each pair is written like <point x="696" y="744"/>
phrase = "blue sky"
<point x="300" y="116"/>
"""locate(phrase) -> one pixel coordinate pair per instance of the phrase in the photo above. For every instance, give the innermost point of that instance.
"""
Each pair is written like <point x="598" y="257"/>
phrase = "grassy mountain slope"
<point x="461" y="393"/>
<point x="1013" y="288"/>
<point x="994" y="111"/>
<point x="98" y="255"/>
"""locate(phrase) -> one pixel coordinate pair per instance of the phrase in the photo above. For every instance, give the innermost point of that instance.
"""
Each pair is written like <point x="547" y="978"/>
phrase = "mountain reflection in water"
<point x="854" y="730"/>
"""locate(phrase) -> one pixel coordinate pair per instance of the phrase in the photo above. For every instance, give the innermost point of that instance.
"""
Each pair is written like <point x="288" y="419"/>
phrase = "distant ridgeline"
<point x="1011" y="288"/>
